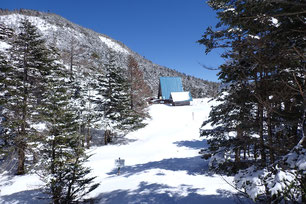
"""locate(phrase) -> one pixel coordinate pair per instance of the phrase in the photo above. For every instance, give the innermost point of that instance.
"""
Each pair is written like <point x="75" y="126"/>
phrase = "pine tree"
<point x="81" y="75"/>
<point x="6" y="135"/>
<point x="63" y="151"/>
<point x="85" y="106"/>
<point x="63" y="155"/>
<point x="113" y="99"/>
<point x="264" y="79"/>
<point x="25" y="87"/>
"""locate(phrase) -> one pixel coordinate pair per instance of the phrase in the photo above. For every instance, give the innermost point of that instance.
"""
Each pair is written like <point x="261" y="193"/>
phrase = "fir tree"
<point x="25" y="87"/>
<point x="264" y="79"/>
<point x="82" y="82"/>
<point x="85" y="106"/>
<point x="113" y="101"/>
<point x="63" y="154"/>
<point x="6" y="135"/>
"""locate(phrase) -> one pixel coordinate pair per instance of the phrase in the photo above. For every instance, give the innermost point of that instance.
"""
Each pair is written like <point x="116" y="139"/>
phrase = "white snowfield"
<point x="162" y="165"/>
<point x="113" y="45"/>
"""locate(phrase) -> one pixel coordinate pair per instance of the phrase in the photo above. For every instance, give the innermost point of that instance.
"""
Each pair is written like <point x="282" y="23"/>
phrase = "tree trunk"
<point x="21" y="157"/>
<point x="21" y="145"/>
<point x="71" y="58"/>
<point x="88" y="137"/>
<point x="238" y="149"/>
<point x="270" y="136"/>
<point x="261" y="136"/>
<point x="107" y="136"/>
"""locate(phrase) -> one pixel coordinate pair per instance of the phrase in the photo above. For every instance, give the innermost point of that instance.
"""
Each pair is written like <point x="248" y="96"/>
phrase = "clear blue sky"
<point x="164" y="31"/>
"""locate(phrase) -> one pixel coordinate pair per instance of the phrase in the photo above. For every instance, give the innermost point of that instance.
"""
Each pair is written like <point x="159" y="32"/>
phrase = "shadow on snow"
<point x="192" y="165"/>
<point x="98" y="138"/>
<point x="152" y="193"/>
<point x="194" y="144"/>
<point x="25" y="197"/>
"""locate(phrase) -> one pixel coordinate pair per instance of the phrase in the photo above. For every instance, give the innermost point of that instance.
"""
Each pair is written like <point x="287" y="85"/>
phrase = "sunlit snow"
<point x="180" y="96"/>
<point x="113" y="45"/>
<point x="11" y="20"/>
<point x="162" y="164"/>
<point x="4" y="46"/>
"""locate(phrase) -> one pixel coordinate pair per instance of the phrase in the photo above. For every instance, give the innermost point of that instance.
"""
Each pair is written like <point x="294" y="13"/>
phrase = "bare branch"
<point x="208" y="68"/>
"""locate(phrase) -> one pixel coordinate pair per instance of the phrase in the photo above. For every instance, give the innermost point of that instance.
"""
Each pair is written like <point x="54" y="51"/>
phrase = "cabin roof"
<point x="168" y="85"/>
<point x="181" y="96"/>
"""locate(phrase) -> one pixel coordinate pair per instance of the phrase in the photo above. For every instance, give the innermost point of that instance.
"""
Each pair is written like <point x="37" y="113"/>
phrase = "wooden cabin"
<point x="171" y="91"/>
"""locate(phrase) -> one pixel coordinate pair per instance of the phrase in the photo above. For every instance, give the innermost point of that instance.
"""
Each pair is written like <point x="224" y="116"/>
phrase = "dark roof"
<point x="168" y="85"/>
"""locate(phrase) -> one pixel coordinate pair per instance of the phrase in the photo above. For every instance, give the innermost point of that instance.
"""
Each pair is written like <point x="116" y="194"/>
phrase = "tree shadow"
<point x="192" y="165"/>
<point x="25" y="197"/>
<point x="160" y="194"/>
<point x="194" y="144"/>
<point x="98" y="138"/>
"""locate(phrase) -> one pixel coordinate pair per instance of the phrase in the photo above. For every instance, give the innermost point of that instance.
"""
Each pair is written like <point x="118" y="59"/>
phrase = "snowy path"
<point x="162" y="165"/>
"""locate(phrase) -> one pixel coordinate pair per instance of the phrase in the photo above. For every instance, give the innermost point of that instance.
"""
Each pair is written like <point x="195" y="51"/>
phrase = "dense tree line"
<point x="259" y="125"/>
<point x="47" y="110"/>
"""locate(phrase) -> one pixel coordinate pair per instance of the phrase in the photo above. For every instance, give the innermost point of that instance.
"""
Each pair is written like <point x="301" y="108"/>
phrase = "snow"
<point x="234" y="30"/>
<point x="180" y="96"/>
<point x="39" y="126"/>
<point x="162" y="164"/>
<point x="4" y="46"/>
<point x="275" y="22"/>
<point x="254" y="36"/>
<point x="113" y="45"/>
<point x="41" y="24"/>
<point x="251" y="181"/>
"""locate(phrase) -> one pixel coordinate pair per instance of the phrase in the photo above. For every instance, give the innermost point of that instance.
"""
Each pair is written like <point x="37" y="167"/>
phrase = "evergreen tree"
<point x="113" y="101"/>
<point x="264" y="82"/>
<point x="63" y="155"/>
<point x="25" y="87"/>
<point x="6" y="135"/>
<point x="82" y="77"/>
<point x="85" y="106"/>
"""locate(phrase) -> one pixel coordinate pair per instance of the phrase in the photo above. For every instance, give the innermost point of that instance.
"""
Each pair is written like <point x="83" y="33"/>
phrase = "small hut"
<point x="171" y="91"/>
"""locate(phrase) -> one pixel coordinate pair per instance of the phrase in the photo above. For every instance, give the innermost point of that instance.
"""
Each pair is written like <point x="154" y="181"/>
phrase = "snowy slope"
<point x="112" y="45"/>
<point x="162" y="165"/>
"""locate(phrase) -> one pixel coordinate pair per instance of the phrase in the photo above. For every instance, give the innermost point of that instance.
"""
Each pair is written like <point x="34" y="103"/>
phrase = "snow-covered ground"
<point x="113" y="45"/>
<point x="162" y="165"/>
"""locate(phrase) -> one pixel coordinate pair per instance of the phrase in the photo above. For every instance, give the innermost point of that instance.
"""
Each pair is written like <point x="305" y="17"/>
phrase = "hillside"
<point x="90" y="49"/>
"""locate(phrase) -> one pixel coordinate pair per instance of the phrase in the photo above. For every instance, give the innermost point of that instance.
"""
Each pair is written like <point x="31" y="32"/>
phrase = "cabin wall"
<point x="181" y="103"/>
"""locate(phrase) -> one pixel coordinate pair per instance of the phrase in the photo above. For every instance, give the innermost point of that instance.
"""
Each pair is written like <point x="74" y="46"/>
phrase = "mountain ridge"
<point x="91" y="48"/>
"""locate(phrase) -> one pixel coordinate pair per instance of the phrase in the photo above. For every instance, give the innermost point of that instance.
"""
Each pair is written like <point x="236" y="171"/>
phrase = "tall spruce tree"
<point x="63" y="153"/>
<point x="6" y="135"/>
<point x="25" y="87"/>
<point x="113" y="101"/>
